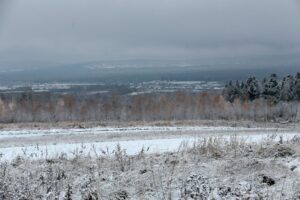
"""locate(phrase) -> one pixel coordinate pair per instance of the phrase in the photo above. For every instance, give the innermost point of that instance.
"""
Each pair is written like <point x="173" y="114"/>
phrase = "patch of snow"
<point x="85" y="149"/>
<point x="116" y="130"/>
<point x="132" y="147"/>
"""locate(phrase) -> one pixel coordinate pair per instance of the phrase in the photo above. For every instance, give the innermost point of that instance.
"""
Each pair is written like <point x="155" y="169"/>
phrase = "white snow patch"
<point x="115" y="130"/>
<point x="132" y="147"/>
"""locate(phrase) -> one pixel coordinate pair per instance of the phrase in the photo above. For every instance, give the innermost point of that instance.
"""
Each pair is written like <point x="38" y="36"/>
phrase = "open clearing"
<point x="49" y="143"/>
<point x="150" y="162"/>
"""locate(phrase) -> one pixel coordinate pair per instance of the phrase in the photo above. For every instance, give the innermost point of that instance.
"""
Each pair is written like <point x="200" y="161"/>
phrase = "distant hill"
<point x="140" y="70"/>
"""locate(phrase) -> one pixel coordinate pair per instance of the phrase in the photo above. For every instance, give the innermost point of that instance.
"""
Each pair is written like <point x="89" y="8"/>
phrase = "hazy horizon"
<point x="51" y="33"/>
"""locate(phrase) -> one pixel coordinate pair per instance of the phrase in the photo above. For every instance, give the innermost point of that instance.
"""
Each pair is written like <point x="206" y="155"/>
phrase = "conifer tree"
<point x="287" y="92"/>
<point x="252" y="88"/>
<point x="271" y="89"/>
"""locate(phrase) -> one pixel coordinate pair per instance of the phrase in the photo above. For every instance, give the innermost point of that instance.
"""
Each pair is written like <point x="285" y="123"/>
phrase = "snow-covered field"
<point x="50" y="143"/>
<point x="150" y="162"/>
<point x="123" y="130"/>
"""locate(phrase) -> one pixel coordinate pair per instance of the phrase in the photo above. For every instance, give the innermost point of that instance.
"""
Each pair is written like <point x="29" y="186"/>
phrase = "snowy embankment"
<point x="96" y="141"/>
<point x="118" y="130"/>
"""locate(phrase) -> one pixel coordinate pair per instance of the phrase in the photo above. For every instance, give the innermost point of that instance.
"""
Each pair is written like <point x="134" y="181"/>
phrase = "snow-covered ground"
<point x="47" y="143"/>
<point x="122" y="130"/>
<point x="150" y="162"/>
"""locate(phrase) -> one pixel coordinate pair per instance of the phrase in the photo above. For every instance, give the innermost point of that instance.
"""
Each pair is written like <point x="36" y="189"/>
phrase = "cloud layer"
<point x="77" y="30"/>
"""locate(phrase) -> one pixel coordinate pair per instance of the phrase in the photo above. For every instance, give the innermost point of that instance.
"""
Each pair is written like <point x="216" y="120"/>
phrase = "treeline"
<point x="35" y="107"/>
<point x="272" y="89"/>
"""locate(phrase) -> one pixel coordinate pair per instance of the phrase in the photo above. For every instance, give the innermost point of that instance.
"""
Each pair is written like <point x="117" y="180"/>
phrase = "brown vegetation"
<point x="146" y="107"/>
<point x="208" y="170"/>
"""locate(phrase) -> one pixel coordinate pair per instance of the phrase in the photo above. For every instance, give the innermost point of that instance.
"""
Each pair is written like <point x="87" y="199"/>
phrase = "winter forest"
<point x="272" y="89"/>
<point x="271" y="99"/>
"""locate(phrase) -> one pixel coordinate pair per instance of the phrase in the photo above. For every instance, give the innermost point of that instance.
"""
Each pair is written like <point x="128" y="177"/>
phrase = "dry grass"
<point x="211" y="169"/>
<point x="111" y="123"/>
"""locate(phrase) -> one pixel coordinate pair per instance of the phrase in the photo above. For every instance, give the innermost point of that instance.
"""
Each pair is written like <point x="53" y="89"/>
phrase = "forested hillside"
<point x="269" y="100"/>
<point x="272" y="89"/>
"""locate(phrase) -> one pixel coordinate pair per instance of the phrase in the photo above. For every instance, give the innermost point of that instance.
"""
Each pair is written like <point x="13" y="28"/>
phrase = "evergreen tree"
<point x="271" y="89"/>
<point x="297" y="86"/>
<point x="264" y="81"/>
<point x="238" y="89"/>
<point x="230" y="92"/>
<point x="252" y="88"/>
<point x="243" y="92"/>
<point x="287" y="92"/>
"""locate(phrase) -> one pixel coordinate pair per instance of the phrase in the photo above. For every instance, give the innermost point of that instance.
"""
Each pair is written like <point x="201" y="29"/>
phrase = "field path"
<point x="46" y="143"/>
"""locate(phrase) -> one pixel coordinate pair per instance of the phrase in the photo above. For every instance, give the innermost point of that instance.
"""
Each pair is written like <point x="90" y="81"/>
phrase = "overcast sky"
<point x="83" y="30"/>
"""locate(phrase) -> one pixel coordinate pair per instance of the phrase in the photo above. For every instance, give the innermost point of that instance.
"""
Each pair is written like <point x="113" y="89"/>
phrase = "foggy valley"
<point x="166" y="100"/>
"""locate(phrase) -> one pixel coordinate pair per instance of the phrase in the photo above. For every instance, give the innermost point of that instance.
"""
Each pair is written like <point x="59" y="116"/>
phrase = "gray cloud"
<point x="3" y="8"/>
<point x="77" y="30"/>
